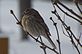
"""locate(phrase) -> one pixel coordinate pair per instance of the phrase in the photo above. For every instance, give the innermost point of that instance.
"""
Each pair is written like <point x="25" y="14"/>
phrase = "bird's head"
<point x="29" y="11"/>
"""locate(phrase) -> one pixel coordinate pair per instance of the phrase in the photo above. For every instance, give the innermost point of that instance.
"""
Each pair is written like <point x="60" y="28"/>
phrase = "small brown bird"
<point x="33" y="23"/>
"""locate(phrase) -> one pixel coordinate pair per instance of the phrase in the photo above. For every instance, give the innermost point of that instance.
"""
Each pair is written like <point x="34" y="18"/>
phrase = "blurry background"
<point x="18" y="42"/>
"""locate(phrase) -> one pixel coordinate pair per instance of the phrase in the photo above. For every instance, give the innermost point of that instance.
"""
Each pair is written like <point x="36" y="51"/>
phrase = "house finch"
<point x="34" y="24"/>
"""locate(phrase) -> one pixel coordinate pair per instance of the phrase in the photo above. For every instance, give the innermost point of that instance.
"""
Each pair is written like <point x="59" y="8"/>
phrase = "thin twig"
<point x="18" y="22"/>
<point x="55" y="24"/>
<point x="11" y="11"/>
<point x="55" y="12"/>
<point x="43" y="44"/>
<point x="62" y="27"/>
<point x="67" y="28"/>
<point x="71" y="37"/>
<point x="70" y="10"/>
<point x="78" y="7"/>
<point x="44" y="49"/>
<point x="64" y="32"/>
<point x="79" y="38"/>
<point x="68" y="14"/>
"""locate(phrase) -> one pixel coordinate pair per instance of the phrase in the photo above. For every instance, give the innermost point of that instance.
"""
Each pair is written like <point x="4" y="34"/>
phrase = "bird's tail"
<point x="51" y="42"/>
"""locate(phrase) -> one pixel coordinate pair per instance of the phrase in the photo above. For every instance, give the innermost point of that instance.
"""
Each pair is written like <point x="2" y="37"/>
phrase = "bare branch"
<point x="67" y="28"/>
<point x="55" y="24"/>
<point x="18" y="22"/>
<point x="70" y="10"/>
<point x="68" y="14"/>
<point x="78" y="7"/>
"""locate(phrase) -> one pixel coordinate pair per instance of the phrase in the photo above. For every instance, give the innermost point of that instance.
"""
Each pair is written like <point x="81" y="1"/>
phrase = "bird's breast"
<point x="32" y="26"/>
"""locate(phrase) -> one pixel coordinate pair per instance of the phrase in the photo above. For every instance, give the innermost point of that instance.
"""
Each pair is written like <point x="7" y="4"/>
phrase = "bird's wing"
<point x="41" y="21"/>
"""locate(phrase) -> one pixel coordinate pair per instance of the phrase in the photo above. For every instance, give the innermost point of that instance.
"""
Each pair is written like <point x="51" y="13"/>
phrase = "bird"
<point x="33" y="23"/>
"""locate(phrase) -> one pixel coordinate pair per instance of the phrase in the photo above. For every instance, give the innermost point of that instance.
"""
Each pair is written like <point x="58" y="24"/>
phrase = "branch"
<point x="55" y="12"/>
<point x="43" y="44"/>
<point x="18" y="22"/>
<point x="70" y="10"/>
<point x="67" y="28"/>
<point x="71" y="37"/>
<point x="55" y="24"/>
<point x="44" y="49"/>
<point x="78" y="7"/>
<point x="68" y="14"/>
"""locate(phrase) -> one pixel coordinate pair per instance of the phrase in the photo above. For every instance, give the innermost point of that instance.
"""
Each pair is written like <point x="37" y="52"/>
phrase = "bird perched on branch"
<point x="33" y="23"/>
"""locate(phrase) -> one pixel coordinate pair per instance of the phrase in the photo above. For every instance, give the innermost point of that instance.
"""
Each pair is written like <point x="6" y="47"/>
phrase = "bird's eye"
<point x="26" y="11"/>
